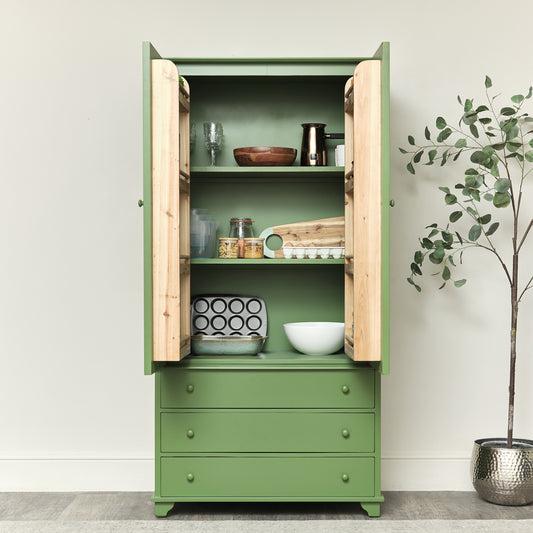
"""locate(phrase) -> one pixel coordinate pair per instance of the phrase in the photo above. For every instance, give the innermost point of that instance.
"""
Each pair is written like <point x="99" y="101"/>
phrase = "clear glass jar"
<point x="241" y="228"/>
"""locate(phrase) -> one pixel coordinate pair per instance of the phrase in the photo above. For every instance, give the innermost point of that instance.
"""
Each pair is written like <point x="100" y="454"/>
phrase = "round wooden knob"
<point x="140" y="203"/>
<point x="190" y="477"/>
<point x="345" y="389"/>
<point x="391" y="203"/>
<point x="345" y="477"/>
<point x="345" y="433"/>
<point x="190" y="388"/>
<point x="190" y="433"/>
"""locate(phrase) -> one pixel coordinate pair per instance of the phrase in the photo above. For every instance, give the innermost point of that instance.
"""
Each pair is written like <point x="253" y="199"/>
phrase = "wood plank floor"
<point x="137" y="506"/>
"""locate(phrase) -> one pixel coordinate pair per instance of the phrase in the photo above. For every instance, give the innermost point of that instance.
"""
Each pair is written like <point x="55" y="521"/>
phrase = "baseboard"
<point x="137" y="474"/>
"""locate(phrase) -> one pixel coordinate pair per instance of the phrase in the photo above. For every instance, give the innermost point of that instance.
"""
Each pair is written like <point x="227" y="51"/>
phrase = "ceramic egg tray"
<point x="228" y="315"/>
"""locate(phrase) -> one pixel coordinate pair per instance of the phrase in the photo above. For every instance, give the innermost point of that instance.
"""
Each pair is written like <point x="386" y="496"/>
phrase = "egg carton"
<point x="217" y="314"/>
<point x="313" y="252"/>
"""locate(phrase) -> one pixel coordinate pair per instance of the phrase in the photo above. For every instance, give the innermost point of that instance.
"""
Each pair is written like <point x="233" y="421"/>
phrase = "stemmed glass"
<point x="213" y="138"/>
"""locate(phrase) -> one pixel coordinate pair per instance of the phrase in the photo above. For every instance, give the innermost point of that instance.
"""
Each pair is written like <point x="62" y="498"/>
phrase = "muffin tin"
<point x="313" y="252"/>
<point x="219" y="314"/>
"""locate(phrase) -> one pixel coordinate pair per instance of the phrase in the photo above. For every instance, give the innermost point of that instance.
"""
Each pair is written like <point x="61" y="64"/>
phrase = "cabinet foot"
<point x="372" y="508"/>
<point x="162" y="508"/>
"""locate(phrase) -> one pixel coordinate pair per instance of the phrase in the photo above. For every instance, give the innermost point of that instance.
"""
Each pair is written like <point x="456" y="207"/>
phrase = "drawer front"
<point x="326" y="389"/>
<point x="259" y="431"/>
<point x="250" y="478"/>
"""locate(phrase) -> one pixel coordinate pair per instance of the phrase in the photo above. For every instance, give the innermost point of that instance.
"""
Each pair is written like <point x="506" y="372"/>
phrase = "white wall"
<point x="76" y="411"/>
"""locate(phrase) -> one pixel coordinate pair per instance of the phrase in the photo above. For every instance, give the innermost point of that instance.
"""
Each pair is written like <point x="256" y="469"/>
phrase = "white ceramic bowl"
<point x="315" y="338"/>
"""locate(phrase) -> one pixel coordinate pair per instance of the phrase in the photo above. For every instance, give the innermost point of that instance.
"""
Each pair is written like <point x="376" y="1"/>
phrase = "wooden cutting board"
<point x="321" y="232"/>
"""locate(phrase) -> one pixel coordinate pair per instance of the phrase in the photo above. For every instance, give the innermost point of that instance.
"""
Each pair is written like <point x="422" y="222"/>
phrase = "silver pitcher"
<point x="313" y="153"/>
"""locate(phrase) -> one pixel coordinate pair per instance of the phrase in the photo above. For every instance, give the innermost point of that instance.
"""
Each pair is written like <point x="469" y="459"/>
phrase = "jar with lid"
<point x="241" y="228"/>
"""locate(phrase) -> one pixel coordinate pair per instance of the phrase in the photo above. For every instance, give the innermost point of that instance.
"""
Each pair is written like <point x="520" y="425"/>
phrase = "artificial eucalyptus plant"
<point x="498" y="142"/>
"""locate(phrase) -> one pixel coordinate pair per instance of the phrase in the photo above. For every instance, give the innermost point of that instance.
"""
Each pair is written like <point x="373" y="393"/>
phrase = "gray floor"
<point x="137" y="506"/>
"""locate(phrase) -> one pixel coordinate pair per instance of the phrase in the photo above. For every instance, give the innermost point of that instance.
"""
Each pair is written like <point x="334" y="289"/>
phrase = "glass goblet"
<point x="213" y="134"/>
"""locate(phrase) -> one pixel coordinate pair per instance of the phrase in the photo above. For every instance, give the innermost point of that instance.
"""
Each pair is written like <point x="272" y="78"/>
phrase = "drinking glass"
<point x="213" y="138"/>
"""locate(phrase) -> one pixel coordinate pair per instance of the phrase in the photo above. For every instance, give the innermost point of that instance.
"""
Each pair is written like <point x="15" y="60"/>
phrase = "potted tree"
<point x="497" y="141"/>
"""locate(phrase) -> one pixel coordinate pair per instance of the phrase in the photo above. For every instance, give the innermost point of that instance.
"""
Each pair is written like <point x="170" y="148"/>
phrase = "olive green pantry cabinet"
<point x="279" y="426"/>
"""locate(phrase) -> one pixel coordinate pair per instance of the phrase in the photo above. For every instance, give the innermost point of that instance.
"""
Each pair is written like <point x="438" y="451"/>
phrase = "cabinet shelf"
<point x="266" y="262"/>
<point x="274" y="172"/>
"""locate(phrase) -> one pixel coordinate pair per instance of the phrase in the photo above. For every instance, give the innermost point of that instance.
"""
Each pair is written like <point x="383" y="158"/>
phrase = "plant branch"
<point x="525" y="235"/>
<point x="527" y="287"/>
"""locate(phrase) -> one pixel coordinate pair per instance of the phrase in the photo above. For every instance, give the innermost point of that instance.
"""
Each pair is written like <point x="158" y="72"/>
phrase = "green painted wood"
<point x="250" y="430"/>
<point x="267" y="477"/>
<point x="161" y="509"/>
<point x="372" y="508"/>
<point x="250" y="388"/>
<point x="383" y="53"/>
<point x="264" y="111"/>
<point x="245" y="263"/>
<point x="276" y="173"/>
<point x="149" y="53"/>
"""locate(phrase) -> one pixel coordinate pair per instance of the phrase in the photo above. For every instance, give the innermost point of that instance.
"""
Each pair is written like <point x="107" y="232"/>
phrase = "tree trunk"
<point x="512" y="365"/>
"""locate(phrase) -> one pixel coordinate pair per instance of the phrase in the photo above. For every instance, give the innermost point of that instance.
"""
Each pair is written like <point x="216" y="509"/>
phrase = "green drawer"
<point x="276" y="478"/>
<point x="326" y="389"/>
<point x="259" y="431"/>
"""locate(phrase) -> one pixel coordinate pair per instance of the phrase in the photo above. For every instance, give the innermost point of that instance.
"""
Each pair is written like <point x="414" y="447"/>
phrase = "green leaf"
<point x="459" y="283"/>
<point x="431" y="155"/>
<point x="418" y="156"/>
<point x="427" y="133"/>
<point x="448" y="237"/>
<point x="415" y="269"/>
<point x="402" y="150"/>
<point x="501" y="199"/>
<point x="474" y="233"/>
<point x="450" y="199"/>
<point x="460" y="238"/>
<point x="459" y="100"/>
<point x="433" y="233"/>
<point x="426" y="243"/>
<point x="507" y="111"/>
<point x="489" y="150"/>
<point x="468" y="104"/>
<point x="489" y="197"/>
<point x="441" y="123"/>
<point x="529" y="156"/>
<point x="455" y="216"/>
<point x="485" y="120"/>
<point x="492" y="228"/>
<point x="444" y="189"/>
<point x="529" y="93"/>
<point x="485" y="219"/>
<point x="460" y="143"/>
<point x="482" y="108"/>
<point x="479" y="157"/>
<point x="475" y="195"/>
<point x="411" y="140"/>
<point x="517" y="98"/>
<point x="498" y="146"/>
<point x="446" y="274"/>
<point x="502" y="185"/>
<point x="442" y="286"/>
<point x="444" y="158"/>
<point x="456" y="156"/>
<point x="410" y="168"/>
<point x="444" y="134"/>
<point x="409" y="280"/>
<point x="450" y="259"/>
<point x="471" y="211"/>
<point x="488" y="82"/>
<point x="474" y="181"/>
<point x="513" y="146"/>
<point x="419" y="257"/>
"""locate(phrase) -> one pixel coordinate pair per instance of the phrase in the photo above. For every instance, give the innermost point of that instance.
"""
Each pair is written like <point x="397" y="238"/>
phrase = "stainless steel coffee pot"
<point x="313" y="153"/>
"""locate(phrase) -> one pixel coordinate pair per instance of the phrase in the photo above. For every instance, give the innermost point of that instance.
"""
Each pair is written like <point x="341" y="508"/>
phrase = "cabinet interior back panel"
<point x="264" y="111"/>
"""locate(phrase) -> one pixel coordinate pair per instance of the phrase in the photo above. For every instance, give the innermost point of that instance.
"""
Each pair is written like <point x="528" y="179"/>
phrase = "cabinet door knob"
<point x="140" y="203"/>
<point x="345" y="433"/>
<point x="190" y="388"/>
<point x="391" y="203"/>
<point x="345" y="389"/>
<point x="345" y="477"/>
<point x="190" y="433"/>
<point x="190" y="477"/>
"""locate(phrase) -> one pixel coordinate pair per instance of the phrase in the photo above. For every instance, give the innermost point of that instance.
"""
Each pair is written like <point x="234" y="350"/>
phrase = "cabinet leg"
<point x="162" y="508"/>
<point x="372" y="508"/>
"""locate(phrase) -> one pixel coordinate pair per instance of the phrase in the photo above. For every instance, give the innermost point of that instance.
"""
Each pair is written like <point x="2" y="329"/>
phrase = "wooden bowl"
<point x="264" y="156"/>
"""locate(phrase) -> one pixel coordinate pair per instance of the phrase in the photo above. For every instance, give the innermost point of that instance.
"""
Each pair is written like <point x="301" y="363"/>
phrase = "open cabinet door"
<point x="166" y="211"/>
<point x="366" y="212"/>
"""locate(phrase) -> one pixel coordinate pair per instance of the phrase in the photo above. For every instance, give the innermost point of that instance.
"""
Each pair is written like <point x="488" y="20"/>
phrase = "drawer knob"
<point x="345" y="477"/>
<point x="190" y="477"/>
<point x="190" y="388"/>
<point x="190" y="433"/>
<point x="345" y="433"/>
<point x="345" y="389"/>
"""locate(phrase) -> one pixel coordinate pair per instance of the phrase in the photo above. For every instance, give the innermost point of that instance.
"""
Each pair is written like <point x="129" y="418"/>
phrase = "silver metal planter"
<point x="503" y="475"/>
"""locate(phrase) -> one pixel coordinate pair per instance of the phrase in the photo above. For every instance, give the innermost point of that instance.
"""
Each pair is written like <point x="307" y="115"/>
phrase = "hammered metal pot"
<point x="503" y="475"/>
